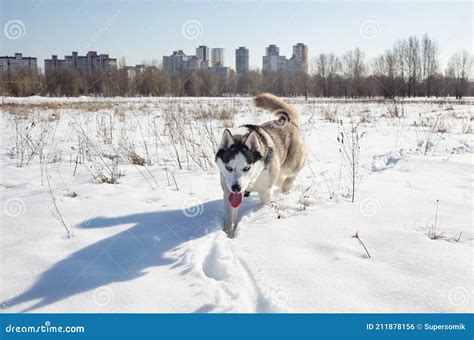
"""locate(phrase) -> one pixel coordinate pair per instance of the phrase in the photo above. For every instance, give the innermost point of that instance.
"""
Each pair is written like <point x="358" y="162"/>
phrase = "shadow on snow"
<point x="124" y="256"/>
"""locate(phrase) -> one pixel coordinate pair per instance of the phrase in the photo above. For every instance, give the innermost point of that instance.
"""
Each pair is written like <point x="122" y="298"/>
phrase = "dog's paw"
<point x="230" y="232"/>
<point x="273" y="205"/>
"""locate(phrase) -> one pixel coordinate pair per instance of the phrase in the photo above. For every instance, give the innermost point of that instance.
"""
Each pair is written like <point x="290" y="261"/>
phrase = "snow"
<point x="385" y="161"/>
<point x="153" y="242"/>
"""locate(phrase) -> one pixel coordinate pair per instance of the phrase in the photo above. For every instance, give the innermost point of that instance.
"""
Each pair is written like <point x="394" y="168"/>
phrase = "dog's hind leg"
<point x="287" y="183"/>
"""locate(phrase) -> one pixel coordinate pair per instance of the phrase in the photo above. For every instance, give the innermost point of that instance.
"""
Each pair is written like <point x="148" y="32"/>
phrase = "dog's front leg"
<point x="265" y="197"/>
<point x="230" y="216"/>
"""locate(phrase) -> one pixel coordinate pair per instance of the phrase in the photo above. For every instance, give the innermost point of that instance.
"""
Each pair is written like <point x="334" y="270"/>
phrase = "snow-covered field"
<point x="149" y="239"/>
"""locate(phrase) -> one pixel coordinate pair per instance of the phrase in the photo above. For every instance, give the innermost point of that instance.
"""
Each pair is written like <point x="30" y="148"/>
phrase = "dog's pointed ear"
<point x="252" y="141"/>
<point x="227" y="139"/>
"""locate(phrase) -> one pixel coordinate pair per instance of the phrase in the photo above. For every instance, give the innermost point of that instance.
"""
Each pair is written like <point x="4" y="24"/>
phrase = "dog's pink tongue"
<point x="235" y="199"/>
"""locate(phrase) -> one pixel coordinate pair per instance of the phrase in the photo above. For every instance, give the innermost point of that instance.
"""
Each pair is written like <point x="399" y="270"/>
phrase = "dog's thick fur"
<point x="255" y="158"/>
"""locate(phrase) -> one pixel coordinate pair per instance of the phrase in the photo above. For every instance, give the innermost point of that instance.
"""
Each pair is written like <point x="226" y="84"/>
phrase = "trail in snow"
<point x="215" y="262"/>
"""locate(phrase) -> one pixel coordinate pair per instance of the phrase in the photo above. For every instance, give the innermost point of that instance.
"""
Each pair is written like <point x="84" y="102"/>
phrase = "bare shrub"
<point x="129" y="153"/>
<point x="192" y="138"/>
<point x="466" y="125"/>
<point x="395" y="109"/>
<point x="102" y="167"/>
<point x="330" y="114"/>
<point x="350" y="149"/>
<point x="431" y="126"/>
<point x="58" y="213"/>
<point x="432" y="231"/>
<point x="105" y="127"/>
<point x="144" y="141"/>
<point x="108" y="174"/>
<point x="30" y="138"/>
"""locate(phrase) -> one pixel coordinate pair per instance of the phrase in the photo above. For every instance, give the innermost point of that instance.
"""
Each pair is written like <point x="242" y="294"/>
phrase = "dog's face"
<point x="240" y="160"/>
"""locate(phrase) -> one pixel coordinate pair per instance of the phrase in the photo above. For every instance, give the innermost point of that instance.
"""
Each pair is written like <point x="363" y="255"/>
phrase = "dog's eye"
<point x="247" y="168"/>
<point x="228" y="168"/>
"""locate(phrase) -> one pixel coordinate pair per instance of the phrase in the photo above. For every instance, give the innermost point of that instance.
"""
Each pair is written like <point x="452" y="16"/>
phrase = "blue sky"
<point x="146" y="30"/>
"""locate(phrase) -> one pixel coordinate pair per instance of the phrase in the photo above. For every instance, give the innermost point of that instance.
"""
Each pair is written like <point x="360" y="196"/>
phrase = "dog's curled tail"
<point x="281" y="109"/>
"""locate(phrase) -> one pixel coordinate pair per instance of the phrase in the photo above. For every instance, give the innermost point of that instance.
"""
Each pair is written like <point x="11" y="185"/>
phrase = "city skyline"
<point x="214" y="57"/>
<point x="147" y="31"/>
<point x="206" y="57"/>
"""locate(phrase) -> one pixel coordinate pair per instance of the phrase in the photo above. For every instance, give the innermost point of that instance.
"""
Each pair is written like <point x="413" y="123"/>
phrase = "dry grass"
<point x="119" y="113"/>
<point x="55" y="116"/>
<point x="226" y="116"/>
<point x="183" y="132"/>
<point x="442" y="126"/>
<point x="366" y="117"/>
<point x="136" y="159"/>
<point x="14" y="108"/>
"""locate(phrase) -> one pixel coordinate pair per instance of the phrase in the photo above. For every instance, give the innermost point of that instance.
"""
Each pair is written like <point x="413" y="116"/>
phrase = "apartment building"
<point x="91" y="62"/>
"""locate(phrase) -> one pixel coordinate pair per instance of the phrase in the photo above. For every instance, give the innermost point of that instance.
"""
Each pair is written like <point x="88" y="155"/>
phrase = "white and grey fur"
<point x="260" y="157"/>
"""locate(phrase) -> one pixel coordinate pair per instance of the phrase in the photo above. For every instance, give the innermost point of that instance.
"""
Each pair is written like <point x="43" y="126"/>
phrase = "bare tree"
<point x="412" y="58"/>
<point x="249" y="83"/>
<point x="327" y="73"/>
<point x="400" y="51"/>
<point x="459" y="69"/>
<point x="429" y="63"/>
<point x="334" y="70"/>
<point x="385" y="68"/>
<point x="322" y="73"/>
<point x="353" y="64"/>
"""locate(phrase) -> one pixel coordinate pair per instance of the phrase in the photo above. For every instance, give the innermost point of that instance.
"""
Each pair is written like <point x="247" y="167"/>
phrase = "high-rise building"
<point x="299" y="60"/>
<point x="17" y="63"/>
<point x="53" y="64"/>
<point x="222" y="72"/>
<point x="179" y="61"/>
<point x="133" y="71"/>
<point x="194" y="62"/>
<point x="242" y="60"/>
<point x="203" y="53"/>
<point x="272" y="50"/>
<point x="273" y="61"/>
<point x="217" y="57"/>
<point x="91" y="62"/>
<point x="175" y="62"/>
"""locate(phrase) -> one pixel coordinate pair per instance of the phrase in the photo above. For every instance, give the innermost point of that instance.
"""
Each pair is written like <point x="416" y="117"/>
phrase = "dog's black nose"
<point x="235" y="188"/>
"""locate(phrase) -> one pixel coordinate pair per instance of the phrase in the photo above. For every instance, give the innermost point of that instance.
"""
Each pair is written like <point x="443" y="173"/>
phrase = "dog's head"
<point x="240" y="162"/>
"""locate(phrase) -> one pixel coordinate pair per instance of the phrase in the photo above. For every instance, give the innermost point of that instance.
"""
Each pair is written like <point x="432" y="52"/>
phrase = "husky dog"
<point x="254" y="158"/>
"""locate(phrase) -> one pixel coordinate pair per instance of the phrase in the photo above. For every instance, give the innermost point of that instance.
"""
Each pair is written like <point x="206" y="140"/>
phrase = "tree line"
<point x="410" y="68"/>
